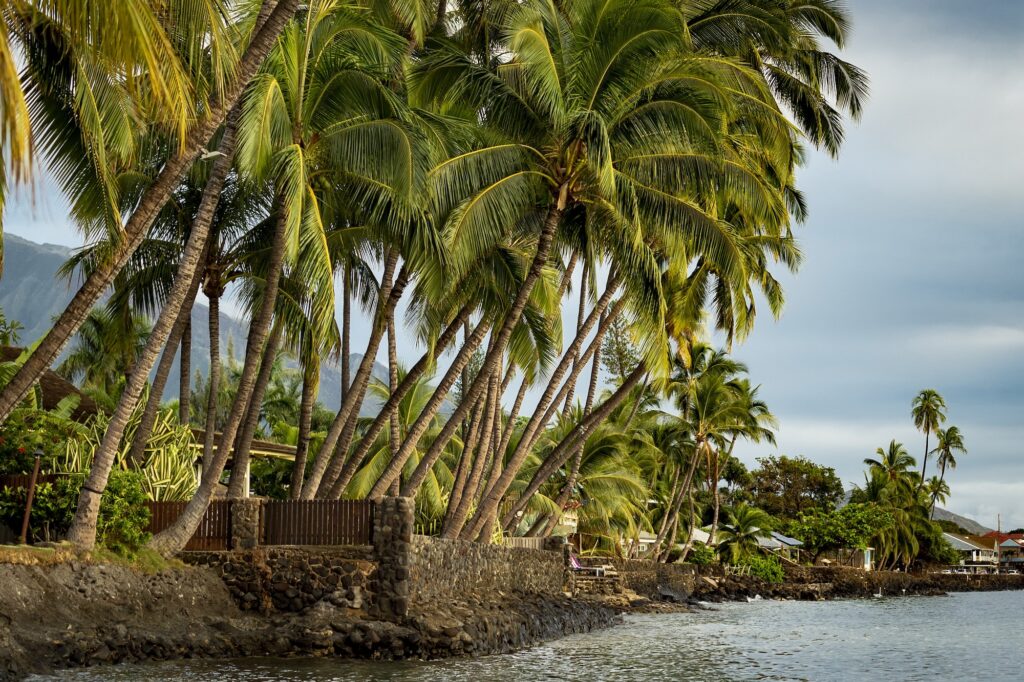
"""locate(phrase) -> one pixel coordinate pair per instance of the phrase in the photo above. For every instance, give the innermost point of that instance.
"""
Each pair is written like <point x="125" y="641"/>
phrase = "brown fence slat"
<point x="317" y="522"/>
<point x="213" y="533"/>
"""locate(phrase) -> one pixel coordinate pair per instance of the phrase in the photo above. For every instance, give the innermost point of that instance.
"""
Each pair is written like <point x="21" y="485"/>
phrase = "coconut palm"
<point x="104" y="352"/>
<point x="744" y="525"/>
<point x="894" y="465"/>
<point x="929" y="412"/>
<point x="950" y="441"/>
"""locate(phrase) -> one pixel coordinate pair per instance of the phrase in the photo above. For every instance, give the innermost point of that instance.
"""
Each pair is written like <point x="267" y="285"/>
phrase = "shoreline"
<point x="78" y="614"/>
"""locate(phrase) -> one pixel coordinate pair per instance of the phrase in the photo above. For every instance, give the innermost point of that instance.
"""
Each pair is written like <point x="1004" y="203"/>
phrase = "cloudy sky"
<point x="912" y="277"/>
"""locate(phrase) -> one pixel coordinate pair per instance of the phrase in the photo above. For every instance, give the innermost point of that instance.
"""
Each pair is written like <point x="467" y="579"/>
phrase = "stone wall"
<point x="288" y="579"/>
<point x="392" y="538"/>
<point x="450" y="569"/>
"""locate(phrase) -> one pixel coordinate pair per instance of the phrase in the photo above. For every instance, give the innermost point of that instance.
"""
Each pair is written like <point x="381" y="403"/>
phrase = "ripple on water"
<point x="929" y="639"/>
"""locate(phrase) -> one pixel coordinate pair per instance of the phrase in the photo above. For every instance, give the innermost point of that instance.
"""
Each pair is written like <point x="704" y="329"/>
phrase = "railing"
<point x="523" y="542"/>
<point x="317" y="522"/>
<point x="213" y="533"/>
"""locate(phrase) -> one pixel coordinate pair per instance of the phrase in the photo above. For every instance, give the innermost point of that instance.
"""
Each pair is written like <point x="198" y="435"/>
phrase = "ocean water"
<point x="965" y="636"/>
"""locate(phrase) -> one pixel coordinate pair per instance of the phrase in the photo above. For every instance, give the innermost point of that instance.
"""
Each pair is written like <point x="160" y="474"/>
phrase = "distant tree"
<point x="851" y="527"/>
<point x="1016" y="531"/>
<point x="949" y="442"/>
<point x="619" y="355"/>
<point x="10" y="331"/>
<point x="786" y="486"/>
<point x="929" y="413"/>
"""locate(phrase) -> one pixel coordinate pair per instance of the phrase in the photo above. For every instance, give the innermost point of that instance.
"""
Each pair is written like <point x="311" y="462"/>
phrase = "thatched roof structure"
<point x="55" y="388"/>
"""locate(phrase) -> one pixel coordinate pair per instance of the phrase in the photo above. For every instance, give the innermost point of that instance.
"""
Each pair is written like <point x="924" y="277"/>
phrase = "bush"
<point x="767" y="567"/>
<point x="702" y="555"/>
<point x="28" y="431"/>
<point x="123" y="514"/>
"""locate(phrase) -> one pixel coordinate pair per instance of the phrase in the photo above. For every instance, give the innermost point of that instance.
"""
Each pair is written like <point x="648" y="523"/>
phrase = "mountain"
<point x="970" y="525"/>
<point x="32" y="293"/>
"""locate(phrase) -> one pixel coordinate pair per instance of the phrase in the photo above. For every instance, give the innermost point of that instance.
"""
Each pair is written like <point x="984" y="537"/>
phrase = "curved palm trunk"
<point x="163" y="372"/>
<point x="670" y="510"/>
<point x="396" y="431"/>
<point x="942" y="477"/>
<point x="924" y="462"/>
<point x="186" y="283"/>
<point x="458" y="520"/>
<point x="185" y="373"/>
<point x="213" y="382"/>
<point x="688" y="491"/>
<point x="174" y="538"/>
<point x="241" y="451"/>
<point x="717" y="495"/>
<point x="325" y="463"/>
<point x="392" y="404"/>
<point x="561" y="453"/>
<point x="147" y="209"/>
<point x="346" y="333"/>
<point x="493" y="495"/>
<point x="310" y="384"/>
<point x="493" y="357"/>
<point x="465" y="463"/>
<point x="566" y="492"/>
<point x="510" y="423"/>
<point x="579" y="326"/>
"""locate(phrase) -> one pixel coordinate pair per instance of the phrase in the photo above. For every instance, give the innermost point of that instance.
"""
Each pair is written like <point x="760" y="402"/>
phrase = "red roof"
<point x="1003" y="537"/>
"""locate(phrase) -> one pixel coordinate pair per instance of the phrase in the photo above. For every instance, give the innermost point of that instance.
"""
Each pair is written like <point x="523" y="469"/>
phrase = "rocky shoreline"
<point x="78" y="614"/>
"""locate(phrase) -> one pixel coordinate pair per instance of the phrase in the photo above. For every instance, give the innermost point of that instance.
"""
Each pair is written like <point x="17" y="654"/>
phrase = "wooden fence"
<point x="22" y="480"/>
<point x="213" y="533"/>
<point x="317" y="522"/>
<point x="523" y="542"/>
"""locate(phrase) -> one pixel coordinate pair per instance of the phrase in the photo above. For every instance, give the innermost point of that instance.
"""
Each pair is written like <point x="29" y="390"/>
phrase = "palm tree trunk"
<point x="213" y="380"/>
<point x="333" y="442"/>
<point x="394" y="400"/>
<point x="942" y="477"/>
<point x="396" y="430"/>
<point x="497" y="352"/>
<point x="186" y="283"/>
<point x="510" y="423"/>
<point x="924" y="462"/>
<point x="346" y="332"/>
<point x="240" y="452"/>
<point x="666" y="518"/>
<point x="463" y="504"/>
<point x="310" y="384"/>
<point x="163" y="371"/>
<point x="579" y="326"/>
<point x="147" y="209"/>
<point x="717" y="499"/>
<point x="174" y="538"/>
<point x="185" y="372"/>
<point x="469" y="444"/>
<point x="561" y="453"/>
<point x="530" y="435"/>
<point x="688" y="490"/>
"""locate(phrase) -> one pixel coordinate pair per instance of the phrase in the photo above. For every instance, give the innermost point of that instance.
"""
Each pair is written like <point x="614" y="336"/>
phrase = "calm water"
<point x="963" y="636"/>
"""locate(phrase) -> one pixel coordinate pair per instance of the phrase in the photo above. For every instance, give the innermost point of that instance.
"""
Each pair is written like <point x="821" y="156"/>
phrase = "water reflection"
<point x="888" y="639"/>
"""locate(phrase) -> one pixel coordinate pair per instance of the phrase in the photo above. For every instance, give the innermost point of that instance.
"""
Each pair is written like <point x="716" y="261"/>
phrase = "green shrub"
<point x="767" y="567"/>
<point x="702" y="555"/>
<point x="28" y="431"/>
<point x="123" y="513"/>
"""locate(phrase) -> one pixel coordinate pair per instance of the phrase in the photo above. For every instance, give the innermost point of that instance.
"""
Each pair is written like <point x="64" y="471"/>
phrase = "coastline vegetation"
<point x="464" y="175"/>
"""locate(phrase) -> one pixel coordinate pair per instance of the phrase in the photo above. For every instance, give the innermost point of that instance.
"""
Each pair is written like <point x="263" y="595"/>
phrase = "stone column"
<point x="245" y="523"/>
<point x="392" y="543"/>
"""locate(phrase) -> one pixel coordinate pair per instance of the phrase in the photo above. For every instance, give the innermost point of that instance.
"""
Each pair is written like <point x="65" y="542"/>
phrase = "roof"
<point x="1004" y="536"/>
<point x="55" y="388"/>
<point x="259" y="448"/>
<point x="1013" y="544"/>
<point x="792" y="542"/>
<point x="963" y="544"/>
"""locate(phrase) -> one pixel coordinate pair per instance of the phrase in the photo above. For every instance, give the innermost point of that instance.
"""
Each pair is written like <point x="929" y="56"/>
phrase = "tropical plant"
<point x="929" y="412"/>
<point x="949" y="442"/>
<point x="744" y="526"/>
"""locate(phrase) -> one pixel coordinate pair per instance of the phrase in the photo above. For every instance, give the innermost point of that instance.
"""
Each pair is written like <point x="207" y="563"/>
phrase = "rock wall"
<point x="290" y="580"/>
<point x="450" y="569"/>
<point x="649" y="578"/>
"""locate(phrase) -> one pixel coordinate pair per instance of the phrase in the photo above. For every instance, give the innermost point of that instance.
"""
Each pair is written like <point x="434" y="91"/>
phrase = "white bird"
<point x="879" y="595"/>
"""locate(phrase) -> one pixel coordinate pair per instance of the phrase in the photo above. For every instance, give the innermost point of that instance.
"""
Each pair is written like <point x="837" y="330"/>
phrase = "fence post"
<point x="392" y="544"/>
<point x="245" y="523"/>
<point x="23" y="539"/>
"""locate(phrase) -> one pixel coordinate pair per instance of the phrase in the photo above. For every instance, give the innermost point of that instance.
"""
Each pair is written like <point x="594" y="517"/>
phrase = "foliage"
<point x="29" y="430"/>
<point x="270" y="477"/>
<point x="702" y="555"/>
<point x="938" y="550"/>
<point x="787" y="486"/>
<point x="767" y="567"/>
<point x="619" y="354"/>
<point x="123" y="514"/>
<point x="10" y="330"/>
<point x="744" y="525"/>
<point x="850" y="527"/>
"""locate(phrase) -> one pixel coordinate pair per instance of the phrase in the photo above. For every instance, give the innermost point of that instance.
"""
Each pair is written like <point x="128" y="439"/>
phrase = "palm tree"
<point x="929" y="412"/>
<point x="153" y="198"/>
<point x="949" y="441"/>
<point x="894" y="464"/>
<point x="105" y="351"/>
<point x="744" y="525"/>
<point x="937" y="490"/>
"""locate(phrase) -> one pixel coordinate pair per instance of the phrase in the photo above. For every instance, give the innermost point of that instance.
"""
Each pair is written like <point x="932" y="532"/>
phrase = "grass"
<point x="145" y="561"/>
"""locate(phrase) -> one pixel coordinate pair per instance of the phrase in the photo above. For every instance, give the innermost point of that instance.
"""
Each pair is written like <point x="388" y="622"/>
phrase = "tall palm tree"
<point x="744" y="525"/>
<point x="894" y="464"/>
<point x="949" y="442"/>
<point x="929" y="412"/>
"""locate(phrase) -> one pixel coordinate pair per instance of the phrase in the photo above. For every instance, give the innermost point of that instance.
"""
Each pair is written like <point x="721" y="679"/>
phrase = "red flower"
<point x="21" y="451"/>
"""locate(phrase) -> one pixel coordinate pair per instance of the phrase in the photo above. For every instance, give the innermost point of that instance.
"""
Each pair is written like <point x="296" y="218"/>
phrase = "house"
<point x="977" y="553"/>
<point x="786" y="547"/>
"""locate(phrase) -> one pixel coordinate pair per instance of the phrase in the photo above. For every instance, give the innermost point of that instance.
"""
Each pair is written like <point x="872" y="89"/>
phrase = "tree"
<point x="618" y="352"/>
<point x="949" y="442"/>
<point x="785" y="486"/>
<point x="929" y="412"/>
<point x="10" y="330"/>
<point x="850" y="527"/>
<point x="744" y="525"/>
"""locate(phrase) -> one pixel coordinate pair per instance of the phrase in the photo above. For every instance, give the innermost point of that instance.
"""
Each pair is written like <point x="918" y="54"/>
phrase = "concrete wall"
<point x="448" y="569"/>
